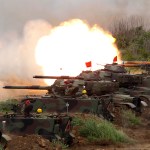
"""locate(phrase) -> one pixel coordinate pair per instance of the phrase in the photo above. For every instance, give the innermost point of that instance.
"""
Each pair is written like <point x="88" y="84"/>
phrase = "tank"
<point x="135" y="85"/>
<point x="59" y="103"/>
<point x="142" y="89"/>
<point x="49" y="126"/>
<point x="121" y="83"/>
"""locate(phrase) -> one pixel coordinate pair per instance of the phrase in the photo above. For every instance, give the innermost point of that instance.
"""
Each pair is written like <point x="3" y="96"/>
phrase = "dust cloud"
<point x="17" y="60"/>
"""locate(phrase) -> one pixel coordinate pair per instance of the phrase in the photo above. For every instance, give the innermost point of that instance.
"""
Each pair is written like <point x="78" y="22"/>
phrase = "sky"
<point x="15" y="14"/>
<point x="22" y="22"/>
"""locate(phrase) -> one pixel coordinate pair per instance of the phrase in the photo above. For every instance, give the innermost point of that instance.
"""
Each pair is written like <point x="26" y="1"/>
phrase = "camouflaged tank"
<point x="50" y="126"/>
<point x="98" y="105"/>
<point x="135" y="85"/>
<point x="142" y="89"/>
<point x="116" y="81"/>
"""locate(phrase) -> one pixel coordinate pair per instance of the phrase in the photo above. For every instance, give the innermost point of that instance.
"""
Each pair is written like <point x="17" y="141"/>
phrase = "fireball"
<point x="67" y="47"/>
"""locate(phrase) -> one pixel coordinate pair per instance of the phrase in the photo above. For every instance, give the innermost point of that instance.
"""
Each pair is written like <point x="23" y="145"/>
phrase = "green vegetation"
<point x="6" y="106"/>
<point x="77" y="121"/>
<point x="132" y="39"/>
<point x="56" y="144"/>
<point x="1" y="147"/>
<point x="129" y="118"/>
<point x="100" y="131"/>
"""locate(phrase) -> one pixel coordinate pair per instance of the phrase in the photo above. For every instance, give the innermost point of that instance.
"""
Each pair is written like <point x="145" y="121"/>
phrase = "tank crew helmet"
<point x="39" y="110"/>
<point x="27" y="102"/>
<point x="84" y="91"/>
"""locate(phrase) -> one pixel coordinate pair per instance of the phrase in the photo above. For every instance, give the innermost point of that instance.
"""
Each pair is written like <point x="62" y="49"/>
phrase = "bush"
<point x="101" y="131"/>
<point x="77" y="121"/>
<point x="56" y="144"/>
<point x="129" y="118"/>
<point x="6" y="106"/>
<point x="132" y="38"/>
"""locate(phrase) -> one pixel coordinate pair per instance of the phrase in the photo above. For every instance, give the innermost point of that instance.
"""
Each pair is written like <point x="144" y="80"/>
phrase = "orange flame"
<point x="68" y="46"/>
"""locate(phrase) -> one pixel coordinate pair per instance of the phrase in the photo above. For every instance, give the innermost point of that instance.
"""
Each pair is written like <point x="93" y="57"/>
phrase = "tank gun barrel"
<point x="137" y="62"/>
<point x="142" y="64"/>
<point x="57" y="77"/>
<point x="34" y="87"/>
<point x="135" y="65"/>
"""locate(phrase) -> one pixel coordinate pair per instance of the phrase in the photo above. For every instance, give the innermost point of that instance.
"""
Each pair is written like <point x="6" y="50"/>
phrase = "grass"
<point x="1" y="147"/>
<point x="56" y="144"/>
<point x="130" y="119"/>
<point x="6" y="106"/>
<point x="77" y="121"/>
<point x="100" y="131"/>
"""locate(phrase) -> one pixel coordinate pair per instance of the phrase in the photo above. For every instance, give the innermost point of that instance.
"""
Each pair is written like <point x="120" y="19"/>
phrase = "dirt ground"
<point x="140" y="133"/>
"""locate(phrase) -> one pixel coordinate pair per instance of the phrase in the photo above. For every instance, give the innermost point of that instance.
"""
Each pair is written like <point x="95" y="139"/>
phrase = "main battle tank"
<point x="114" y="73"/>
<point x="142" y="88"/>
<point x="135" y="85"/>
<point x="65" y="95"/>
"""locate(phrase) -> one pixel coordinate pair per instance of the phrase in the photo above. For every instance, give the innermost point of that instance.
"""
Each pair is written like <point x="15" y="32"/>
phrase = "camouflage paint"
<point x="44" y="125"/>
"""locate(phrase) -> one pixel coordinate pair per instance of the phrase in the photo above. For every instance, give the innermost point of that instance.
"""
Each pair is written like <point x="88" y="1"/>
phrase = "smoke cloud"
<point x="17" y="61"/>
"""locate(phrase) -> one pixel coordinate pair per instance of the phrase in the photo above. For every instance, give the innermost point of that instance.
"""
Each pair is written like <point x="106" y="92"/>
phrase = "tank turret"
<point x="118" y="73"/>
<point x="89" y="80"/>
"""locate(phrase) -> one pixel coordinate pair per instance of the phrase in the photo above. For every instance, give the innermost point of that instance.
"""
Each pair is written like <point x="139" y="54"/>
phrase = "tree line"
<point x="132" y="38"/>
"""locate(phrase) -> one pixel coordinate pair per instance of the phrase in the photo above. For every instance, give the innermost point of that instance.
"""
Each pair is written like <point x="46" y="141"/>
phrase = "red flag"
<point x="115" y="59"/>
<point x="88" y="64"/>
